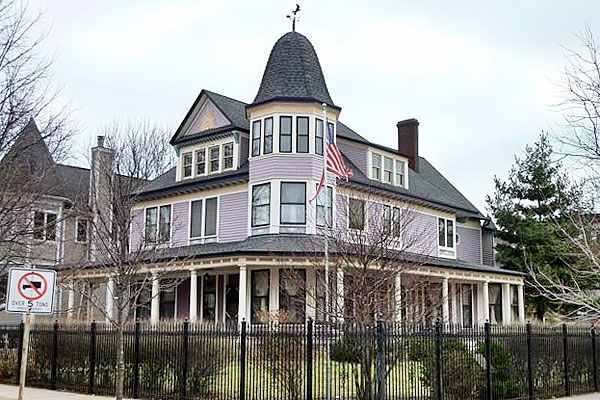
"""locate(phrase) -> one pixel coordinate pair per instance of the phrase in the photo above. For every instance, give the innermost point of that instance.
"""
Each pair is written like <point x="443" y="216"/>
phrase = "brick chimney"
<point x="100" y="201"/>
<point x="408" y="141"/>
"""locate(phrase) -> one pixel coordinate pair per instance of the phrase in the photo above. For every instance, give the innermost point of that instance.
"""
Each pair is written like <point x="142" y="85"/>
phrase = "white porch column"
<point x="486" y="302"/>
<point x="506" y="314"/>
<point x="242" y="302"/>
<point x="398" y="297"/>
<point x="70" y="302"/>
<point x="453" y="298"/>
<point x="445" y="307"/>
<point x="339" y="299"/>
<point x="521" y="303"/>
<point x="110" y="298"/>
<point x="194" y="295"/>
<point x="155" y="303"/>
<point x="274" y="290"/>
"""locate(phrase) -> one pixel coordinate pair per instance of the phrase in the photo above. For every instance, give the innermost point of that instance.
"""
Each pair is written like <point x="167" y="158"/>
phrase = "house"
<point x="237" y="206"/>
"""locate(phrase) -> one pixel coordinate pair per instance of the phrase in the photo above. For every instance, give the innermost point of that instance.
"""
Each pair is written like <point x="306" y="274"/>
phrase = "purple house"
<point x="241" y="208"/>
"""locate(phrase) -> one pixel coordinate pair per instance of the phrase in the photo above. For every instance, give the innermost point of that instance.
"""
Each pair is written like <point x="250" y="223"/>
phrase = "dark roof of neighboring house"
<point x="300" y="244"/>
<point x="293" y="73"/>
<point x="75" y="182"/>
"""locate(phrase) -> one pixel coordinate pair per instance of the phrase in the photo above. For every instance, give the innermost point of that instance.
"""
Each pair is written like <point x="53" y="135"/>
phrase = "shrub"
<point x="505" y="381"/>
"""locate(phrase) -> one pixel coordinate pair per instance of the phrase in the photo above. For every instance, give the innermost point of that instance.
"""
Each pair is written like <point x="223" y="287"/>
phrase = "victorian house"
<point x="239" y="205"/>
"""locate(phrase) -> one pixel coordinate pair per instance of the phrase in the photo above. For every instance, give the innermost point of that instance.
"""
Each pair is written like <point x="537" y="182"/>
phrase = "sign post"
<point x="29" y="292"/>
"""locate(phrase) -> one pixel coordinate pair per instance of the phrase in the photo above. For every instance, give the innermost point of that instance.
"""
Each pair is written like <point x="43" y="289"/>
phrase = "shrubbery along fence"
<point x="367" y="362"/>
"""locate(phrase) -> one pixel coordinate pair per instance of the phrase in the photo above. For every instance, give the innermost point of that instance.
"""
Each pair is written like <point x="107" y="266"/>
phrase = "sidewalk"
<point x="10" y="392"/>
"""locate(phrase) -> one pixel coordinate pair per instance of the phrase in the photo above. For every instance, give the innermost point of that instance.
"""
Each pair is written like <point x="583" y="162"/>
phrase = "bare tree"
<point x="126" y="159"/>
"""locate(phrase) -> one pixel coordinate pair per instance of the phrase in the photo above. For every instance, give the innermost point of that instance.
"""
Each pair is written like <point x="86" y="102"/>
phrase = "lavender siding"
<point x="341" y="202"/>
<point x="286" y="166"/>
<point x="233" y="217"/>
<point x="243" y="149"/>
<point x="469" y="247"/>
<point x="355" y="154"/>
<point x="487" y="240"/>
<point x="137" y="229"/>
<point x="179" y="236"/>
<point x="375" y="217"/>
<point x="420" y="235"/>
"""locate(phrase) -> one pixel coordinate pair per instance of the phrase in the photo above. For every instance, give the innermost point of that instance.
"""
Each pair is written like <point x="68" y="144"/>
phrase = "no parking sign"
<point x="31" y="290"/>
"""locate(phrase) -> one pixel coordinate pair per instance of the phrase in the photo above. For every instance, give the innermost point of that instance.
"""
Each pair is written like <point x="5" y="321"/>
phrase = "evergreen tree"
<point x="527" y="208"/>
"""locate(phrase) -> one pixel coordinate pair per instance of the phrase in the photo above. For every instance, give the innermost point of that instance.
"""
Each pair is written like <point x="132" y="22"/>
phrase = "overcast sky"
<point x="480" y="78"/>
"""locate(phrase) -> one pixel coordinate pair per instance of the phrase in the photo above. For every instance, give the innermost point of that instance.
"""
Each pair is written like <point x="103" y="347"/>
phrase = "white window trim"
<point x="157" y="243"/>
<point x="382" y="157"/>
<point x="222" y="165"/>
<point x="45" y="212"/>
<point x="333" y="191"/>
<point x="195" y="159"/>
<point x="445" y="251"/>
<point x="306" y="202"/>
<point x="192" y="165"/>
<point x="260" y="138"/>
<point x="203" y="237"/>
<point x="87" y="232"/>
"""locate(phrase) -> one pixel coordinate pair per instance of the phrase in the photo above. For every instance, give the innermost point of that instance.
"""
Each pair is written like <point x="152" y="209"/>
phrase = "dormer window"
<point x="302" y="135"/>
<point x="187" y="165"/>
<point x="201" y="162"/>
<point x="214" y="158"/>
<point x="388" y="170"/>
<point x="228" y="156"/>
<point x="446" y="233"/>
<point x="268" y="145"/>
<point x="319" y="136"/>
<point x="256" y="138"/>
<point x="285" y="134"/>
<point x="399" y="173"/>
<point x="376" y="167"/>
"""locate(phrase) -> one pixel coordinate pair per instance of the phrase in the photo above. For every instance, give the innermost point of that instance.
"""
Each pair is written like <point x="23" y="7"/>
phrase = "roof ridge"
<point x="227" y="97"/>
<point x="72" y="166"/>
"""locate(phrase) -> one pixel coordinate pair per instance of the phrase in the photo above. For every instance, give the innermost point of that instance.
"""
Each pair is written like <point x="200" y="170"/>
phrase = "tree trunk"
<point x="120" y="347"/>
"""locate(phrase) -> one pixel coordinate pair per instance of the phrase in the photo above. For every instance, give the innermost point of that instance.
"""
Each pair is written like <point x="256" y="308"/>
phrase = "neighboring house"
<point x="237" y="204"/>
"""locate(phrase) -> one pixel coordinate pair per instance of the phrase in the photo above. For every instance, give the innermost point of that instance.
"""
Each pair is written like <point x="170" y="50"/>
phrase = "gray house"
<point x="242" y="204"/>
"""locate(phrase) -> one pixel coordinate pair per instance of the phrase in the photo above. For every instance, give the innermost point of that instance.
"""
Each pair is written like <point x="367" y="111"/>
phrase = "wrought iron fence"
<point x="181" y="360"/>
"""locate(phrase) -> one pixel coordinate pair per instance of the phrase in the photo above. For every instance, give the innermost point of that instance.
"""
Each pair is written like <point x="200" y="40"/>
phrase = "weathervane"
<point x="294" y="17"/>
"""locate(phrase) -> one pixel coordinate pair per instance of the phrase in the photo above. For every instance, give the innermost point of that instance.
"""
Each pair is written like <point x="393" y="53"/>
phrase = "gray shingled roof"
<point x="293" y="72"/>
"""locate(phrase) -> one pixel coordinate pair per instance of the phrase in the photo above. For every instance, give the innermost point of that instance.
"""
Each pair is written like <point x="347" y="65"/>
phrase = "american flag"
<point x="335" y="162"/>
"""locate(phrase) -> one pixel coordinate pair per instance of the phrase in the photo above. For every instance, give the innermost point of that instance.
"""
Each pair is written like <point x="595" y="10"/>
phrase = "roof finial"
<point x="294" y="17"/>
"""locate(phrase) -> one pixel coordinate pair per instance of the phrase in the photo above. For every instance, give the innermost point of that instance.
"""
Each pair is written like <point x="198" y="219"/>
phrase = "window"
<point x="376" y="167"/>
<point x="397" y="222"/>
<point x="208" y="215"/>
<point x="319" y="136"/>
<point x="228" y="156"/>
<point x="209" y="298"/>
<point x="214" y="158"/>
<point x="293" y="203"/>
<point x="44" y="226"/>
<point x="399" y="173"/>
<point x="392" y="221"/>
<point x="323" y="211"/>
<point x="259" y="294"/>
<point x="268" y="145"/>
<point x="261" y="204"/>
<point x="256" y="138"/>
<point x="167" y="304"/>
<point x="158" y="224"/>
<point x="495" y="296"/>
<point x="467" y="304"/>
<point x="285" y="134"/>
<point x="302" y="135"/>
<point x="446" y="232"/>
<point x="187" y="165"/>
<point x="292" y="296"/>
<point x="387" y="218"/>
<point x="330" y="131"/>
<point x="81" y="231"/>
<point x="201" y="162"/>
<point x="514" y="303"/>
<point x="356" y="217"/>
<point x="388" y="170"/>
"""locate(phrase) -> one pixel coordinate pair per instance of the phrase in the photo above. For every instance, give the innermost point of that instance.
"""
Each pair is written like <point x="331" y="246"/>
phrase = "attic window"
<point x="376" y="167"/>
<point x="201" y="162"/>
<point x="214" y="158"/>
<point x="187" y="165"/>
<point x="399" y="173"/>
<point x="228" y="156"/>
<point x="388" y="170"/>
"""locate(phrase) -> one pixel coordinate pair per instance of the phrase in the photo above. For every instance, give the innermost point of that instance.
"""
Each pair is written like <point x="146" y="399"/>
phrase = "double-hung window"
<point x="158" y="224"/>
<point x="260" y="283"/>
<point x="210" y="219"/>
<point x="203" y="221"/>
<point x="285" y="134"/>
<point x="387" y="219"/>
<point x="324" y="206"/>
<point x="388" y="170"/>
<point x="319" y="136"/>
<point x="200" y="162"/>
<point x="293" y="203"/>
<point x="214" y="154"/>
<point x="44" y="226"/>
<point x="356" y="214"/>
<point x="399" y="180"/>
<point x="467" y="304"/>
<point x="228" y="156"/>
<point x="261" y="204"/>
<point x="376" y="167"/>
<point x="495" y="301"/>
<point x="514" y="303"/>
<point x="397" y="226"/>
<point x="187" y="165"/>
<point x="292" y="296"/>
<point x="256" y="138"/>
<point x="446" y="233"/>
<point x="268" y="143"/>
<point x="81" y="230"/>
<point x="302" y="135"/>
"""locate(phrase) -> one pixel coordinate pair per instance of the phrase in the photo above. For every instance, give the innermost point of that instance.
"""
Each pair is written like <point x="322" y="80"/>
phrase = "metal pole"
<point x="243" y="361"/>
<point x="488" y="362"/>
<point x="54" y="356"/>
<point x="136" y="360"/>
<point x="184" y="361"/>
<point x="530" y="361"/>
<point x="566" y="360"/>
<point x="92" y="358"/>
<point x="24" y="354"/>
<point x="380" y="360"/>
<point x="20" y="350"/>
<point x="439" y="388"/>
<point x="594" y="358"/>
<point x="326" y="250"/>
<point x="309" y="360"/>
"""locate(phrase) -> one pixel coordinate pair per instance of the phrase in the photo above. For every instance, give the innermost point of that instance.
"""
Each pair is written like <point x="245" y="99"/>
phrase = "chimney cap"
<point x="408" y="122"/>
<point x="101" y="141"/>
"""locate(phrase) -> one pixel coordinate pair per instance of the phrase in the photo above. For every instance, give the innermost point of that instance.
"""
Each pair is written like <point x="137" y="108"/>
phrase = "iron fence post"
<point x="54" y="356"/>
<point x="136" y="360"/>
<point x="309" y="359"/>
<point x="566" y="359"/>
<point x="20" y="351"/>
<point x="594" y="358"/>
<point x="185" y="358"/>
<point x="243" y="361"/>
<point x="488" y="362"/>
<point x="92" y="358"/>
<point x="380" y="360"/>
<point x="530" y="361"/>
<point x="438" y="360"/>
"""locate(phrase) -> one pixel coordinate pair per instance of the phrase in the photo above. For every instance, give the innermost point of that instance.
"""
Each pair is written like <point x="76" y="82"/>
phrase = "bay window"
<point x="228" y="156"/>
<point x="214" y="154"/>
<point x="261" y="204"/>
<point x="256" y="138"/>
<point x="445" y="232"/>
<point x="187" y="165"/>
<point x="285" y="134"/>
<point x="324" y="206"/>
<point x="302" y="135"/>
<point x="319" y="136"/>
<point x="356" y="214"/>
<point x="376" y="166"/>
<point x="259" y="294"/>
<point x="201" y="162"/>
<point x="268" y="143"/>
<point x="293" y="203"/>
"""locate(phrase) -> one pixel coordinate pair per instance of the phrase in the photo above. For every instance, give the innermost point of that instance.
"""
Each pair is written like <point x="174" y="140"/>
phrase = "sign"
<point x="31" y="291"/>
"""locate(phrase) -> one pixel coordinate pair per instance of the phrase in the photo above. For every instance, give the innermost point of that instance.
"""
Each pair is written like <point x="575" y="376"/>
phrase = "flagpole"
<point x="326" y="251"/>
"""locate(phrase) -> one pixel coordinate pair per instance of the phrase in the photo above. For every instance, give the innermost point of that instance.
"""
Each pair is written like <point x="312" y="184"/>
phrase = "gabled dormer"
<point x="213" y="137"/>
